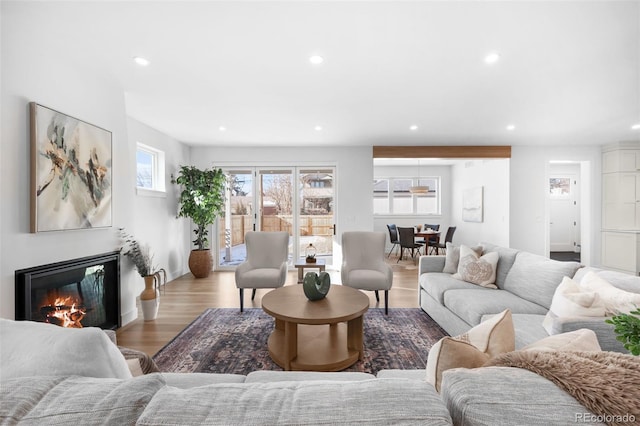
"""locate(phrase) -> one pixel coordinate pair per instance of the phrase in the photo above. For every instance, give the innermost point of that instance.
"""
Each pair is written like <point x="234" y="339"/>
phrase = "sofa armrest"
<point x="430" y="264"/>
<point x="604" y="331"/>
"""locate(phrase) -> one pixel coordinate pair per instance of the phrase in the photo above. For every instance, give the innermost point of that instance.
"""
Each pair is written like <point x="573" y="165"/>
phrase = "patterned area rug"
<point x="224" y="340"/>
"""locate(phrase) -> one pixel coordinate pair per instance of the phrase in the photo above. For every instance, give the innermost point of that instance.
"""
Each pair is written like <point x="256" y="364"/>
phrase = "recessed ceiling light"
<point x="413" y="127"/>
<point x="318" y="128"/>
<point x="492" y="58"/>
<point x="635" y="126"/>
<point x="143" y="62"/>
<point x="511" y="127"/>
<point x="316" y="59"/>
<point x="222" y="129"/>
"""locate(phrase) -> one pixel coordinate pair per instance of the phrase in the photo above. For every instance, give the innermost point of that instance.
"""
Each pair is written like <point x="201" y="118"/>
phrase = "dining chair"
<point x="437" y="246"/>
<point x="363" y="264"/>
<point x="266" y="264"/>
<point x="408" y="242"/>
<point x="393" y="236"/>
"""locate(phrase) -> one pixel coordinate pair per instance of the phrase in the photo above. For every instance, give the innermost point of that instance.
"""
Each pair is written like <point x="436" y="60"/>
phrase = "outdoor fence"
<point x="321" y="225"/>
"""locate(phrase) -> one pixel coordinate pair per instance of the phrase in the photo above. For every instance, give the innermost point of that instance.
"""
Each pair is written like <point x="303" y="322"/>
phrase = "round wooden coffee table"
<point x="324" y="335"/>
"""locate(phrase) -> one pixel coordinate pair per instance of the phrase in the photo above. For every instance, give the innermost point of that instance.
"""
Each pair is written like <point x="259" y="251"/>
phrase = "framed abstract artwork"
<point x="71" y="172"/>
<point x="472" y="204"/>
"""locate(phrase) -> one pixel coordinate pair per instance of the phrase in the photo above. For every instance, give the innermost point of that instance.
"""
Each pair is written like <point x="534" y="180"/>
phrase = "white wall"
<point x="354" y="176"/>
<point x="154" y="217"/>
<point x="31" y="70"/>
<point x="528" y="196"/>
<point x="443" y="219"/>
<point x="493" y="176"/>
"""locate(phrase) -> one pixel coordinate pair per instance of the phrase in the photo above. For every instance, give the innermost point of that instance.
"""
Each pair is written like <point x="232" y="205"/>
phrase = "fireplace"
<point x="77" y="293"/>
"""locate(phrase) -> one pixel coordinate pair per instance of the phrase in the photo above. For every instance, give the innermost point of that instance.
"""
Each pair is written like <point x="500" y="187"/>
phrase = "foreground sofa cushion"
<point x="471" y="349"/>
<point x="503" y="396"/>
<point x="267" y="376"/>
<point x="193" y="380"/>
<point x="376" y="402"/>
<point x="76" y="400"/>
<point x="30" y="348"/>
<point x="606" y="383"/>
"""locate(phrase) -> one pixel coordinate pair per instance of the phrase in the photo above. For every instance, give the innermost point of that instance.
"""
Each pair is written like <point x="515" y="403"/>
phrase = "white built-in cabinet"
<point x="621" y="206"/>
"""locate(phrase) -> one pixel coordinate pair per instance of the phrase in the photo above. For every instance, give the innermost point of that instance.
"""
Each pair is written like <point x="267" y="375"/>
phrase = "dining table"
<point x="428" y="235"/>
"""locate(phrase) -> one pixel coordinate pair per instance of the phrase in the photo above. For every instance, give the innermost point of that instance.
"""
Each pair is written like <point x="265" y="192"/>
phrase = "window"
<point x="149" y="170"/>
<point x="381" y="196"/>
<point x="560" y="187"/>
<point x="400" y="201"/>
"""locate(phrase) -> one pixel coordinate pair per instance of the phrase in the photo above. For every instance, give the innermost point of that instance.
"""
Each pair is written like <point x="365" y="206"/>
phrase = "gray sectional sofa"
<point x="485" y="396"/>
<point x="488" y="396"/>
<point x="265" y="398"/>
<point x="526" y="285"/>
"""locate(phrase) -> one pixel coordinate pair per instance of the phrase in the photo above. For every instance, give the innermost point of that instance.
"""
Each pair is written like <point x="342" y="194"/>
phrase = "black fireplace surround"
<point x="81" y="292"/>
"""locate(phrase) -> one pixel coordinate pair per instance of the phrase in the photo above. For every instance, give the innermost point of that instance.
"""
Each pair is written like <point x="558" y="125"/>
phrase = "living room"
<point x="100" y="96"/>
<point x="573" y="89"/>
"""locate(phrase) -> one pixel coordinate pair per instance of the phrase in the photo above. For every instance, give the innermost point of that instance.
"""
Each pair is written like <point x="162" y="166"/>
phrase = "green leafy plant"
<point x="139" y="254"/>
<point x="202" y="199"/>
<point x="627" y="327"/>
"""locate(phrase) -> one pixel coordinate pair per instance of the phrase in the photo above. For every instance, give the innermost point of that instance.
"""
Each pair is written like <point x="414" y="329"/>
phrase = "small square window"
<point x="149" y="169"/>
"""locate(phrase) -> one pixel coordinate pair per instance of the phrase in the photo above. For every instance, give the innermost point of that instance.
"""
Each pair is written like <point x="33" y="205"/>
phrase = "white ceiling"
<point x="569" y="72"/>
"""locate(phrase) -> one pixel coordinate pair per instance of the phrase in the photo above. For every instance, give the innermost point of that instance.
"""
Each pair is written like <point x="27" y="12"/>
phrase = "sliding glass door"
<point x="298" y="200"/>
<point x="276" y="201"/>
<point x="316" y="211"/>
<point x="237" y="219"/>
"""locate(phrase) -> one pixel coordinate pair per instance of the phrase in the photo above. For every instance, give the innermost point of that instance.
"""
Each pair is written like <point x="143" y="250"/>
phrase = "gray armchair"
<point x="363" y="264"/>
<point x="266" y="264"/>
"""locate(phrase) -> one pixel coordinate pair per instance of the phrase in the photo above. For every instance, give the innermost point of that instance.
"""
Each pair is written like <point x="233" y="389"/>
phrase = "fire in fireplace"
<point x="76" y="293"/>
<point x="65" y="312"/>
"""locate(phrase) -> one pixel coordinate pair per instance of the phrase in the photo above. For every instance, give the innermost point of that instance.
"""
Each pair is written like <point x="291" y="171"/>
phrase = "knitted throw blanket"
<point x="606" y="383"/>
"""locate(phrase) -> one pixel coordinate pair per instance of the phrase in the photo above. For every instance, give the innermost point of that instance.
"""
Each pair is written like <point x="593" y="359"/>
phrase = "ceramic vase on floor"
<point x="150" y="299"/>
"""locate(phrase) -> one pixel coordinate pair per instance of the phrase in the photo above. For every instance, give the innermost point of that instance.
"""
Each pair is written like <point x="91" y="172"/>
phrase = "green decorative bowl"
<point x="316" y="287"/>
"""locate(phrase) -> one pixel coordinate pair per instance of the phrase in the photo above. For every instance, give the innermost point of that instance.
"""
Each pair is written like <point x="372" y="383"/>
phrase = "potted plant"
<point x="627" y="327"/>
<point x="142" y="259"/>
<point x="202" y="199"/>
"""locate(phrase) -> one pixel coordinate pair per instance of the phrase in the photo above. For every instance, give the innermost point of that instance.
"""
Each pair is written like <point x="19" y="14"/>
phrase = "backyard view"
<point x="273" y="210"/>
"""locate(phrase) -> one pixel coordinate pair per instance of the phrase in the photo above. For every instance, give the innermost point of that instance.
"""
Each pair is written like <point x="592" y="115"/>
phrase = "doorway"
<point x="264" y="199"/>
<point x="565" y="211"/>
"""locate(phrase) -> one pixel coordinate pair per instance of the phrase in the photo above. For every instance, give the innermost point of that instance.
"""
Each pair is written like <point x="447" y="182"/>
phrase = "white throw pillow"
<point x="476" y="269"/>
<point x="452" y="257"/>
<point x="569" y="300"/>
<point x="30" y="348"/>
<point x="615" y="300"/>
<point x="578" y="340"/>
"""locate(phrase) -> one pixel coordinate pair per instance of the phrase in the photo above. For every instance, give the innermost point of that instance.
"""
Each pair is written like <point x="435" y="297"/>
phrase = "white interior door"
<point x="564" y="225"/>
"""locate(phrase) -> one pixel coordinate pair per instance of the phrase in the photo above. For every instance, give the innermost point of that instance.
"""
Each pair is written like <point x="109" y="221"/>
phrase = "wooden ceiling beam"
<point x="487" y="151"/>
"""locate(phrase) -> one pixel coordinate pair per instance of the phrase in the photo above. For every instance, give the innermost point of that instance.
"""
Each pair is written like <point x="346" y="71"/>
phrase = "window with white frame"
<point x="149" y="169"/>
<point x="393" y="196"/>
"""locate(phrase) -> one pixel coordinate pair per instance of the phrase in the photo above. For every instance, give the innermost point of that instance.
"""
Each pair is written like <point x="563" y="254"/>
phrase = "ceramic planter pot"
<point x="150" y="298"/>
<point x="200" y="263"/>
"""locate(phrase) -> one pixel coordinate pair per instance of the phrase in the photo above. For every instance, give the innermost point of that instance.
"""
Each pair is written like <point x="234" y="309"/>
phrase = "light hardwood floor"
<point x="185" y="298"/>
